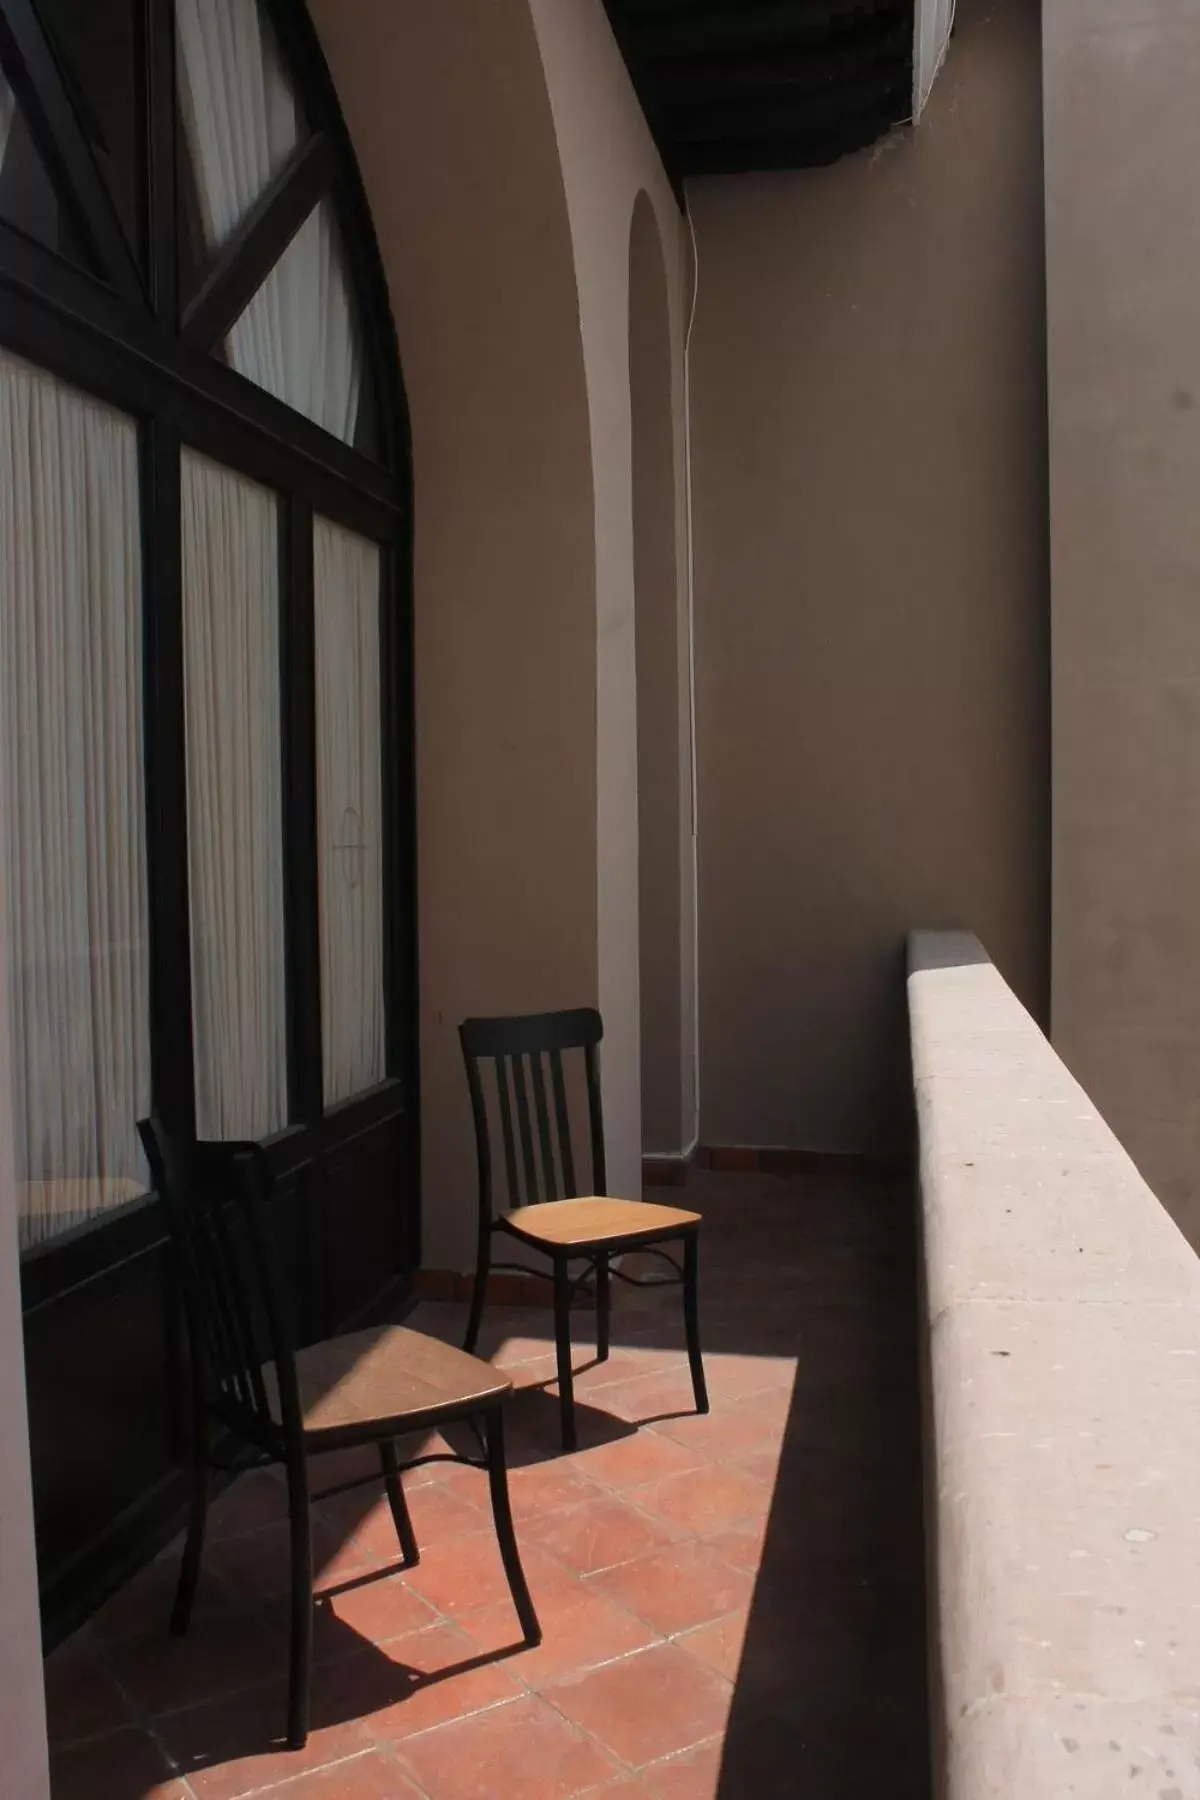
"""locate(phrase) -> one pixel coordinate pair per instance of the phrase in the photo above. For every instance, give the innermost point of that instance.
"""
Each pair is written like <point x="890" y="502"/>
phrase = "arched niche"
<point x="448" y="110"/>
<point x="663" y="826"/>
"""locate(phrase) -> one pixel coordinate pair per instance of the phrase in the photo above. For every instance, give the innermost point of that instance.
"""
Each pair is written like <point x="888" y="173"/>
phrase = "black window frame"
<point x="128" y="336"/>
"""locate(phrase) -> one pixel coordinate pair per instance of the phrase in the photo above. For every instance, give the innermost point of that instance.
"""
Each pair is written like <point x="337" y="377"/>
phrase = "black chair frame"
<point x="237" y="1324"/>
<point x="545" y="1171"/>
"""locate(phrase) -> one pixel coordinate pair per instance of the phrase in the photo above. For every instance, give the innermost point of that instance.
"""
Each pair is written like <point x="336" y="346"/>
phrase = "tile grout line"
<point x="625" y="1768"/>
<point x="440" y="1619"/>
<point x="148" y="1722"/>
<point x="622" y="1768"/>
<point x="144" y="1722"/>
<point x="640" y="1332"/>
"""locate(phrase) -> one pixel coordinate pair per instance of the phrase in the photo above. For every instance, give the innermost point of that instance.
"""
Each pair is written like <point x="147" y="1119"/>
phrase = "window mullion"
<point x="301" y="889"/>
<point x="38" y="85"/>
<point x="257" y="244"/>
<point x="166" y="781"/>
<point x="161" y="158"/>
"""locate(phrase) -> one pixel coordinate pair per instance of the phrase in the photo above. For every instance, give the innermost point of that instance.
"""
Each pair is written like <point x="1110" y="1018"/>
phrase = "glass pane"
<point x="97" y="46"/>
<point x="298" y="337"/>
<point x="235" y="841"/>
<point x="72" y="846"/>
<point x="27" y="196"/>
<point x="346" y="577"/>
<point x="239" y="115"/>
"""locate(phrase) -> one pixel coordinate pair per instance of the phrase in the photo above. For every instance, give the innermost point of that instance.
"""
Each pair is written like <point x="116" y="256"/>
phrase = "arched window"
<point x="205" y="713"/>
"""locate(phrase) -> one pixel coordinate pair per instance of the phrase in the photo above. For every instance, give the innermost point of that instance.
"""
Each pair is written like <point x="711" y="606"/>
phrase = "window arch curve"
<point x="197" y="361"/>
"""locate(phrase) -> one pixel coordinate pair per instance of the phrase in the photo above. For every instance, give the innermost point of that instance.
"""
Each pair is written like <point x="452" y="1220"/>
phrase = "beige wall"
<point x="664" y="862"/>
<point x="608" y="159"/>
<point x="451" y="121"/>
<point x="1123" y="265"/>
<point x="868" y="406"/>
<point x="505" y="236"/>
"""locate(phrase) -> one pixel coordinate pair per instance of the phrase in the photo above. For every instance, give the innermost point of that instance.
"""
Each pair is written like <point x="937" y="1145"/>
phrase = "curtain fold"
<point x="297" y="336"/>
<point x="234" y="783"/>
<point x="72" y="837"/>
<point x="346" y="594"/>
<point x="238" y="111"/>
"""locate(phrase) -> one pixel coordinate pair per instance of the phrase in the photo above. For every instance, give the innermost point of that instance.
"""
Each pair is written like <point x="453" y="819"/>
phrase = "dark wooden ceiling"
<point x="734" y="85"/>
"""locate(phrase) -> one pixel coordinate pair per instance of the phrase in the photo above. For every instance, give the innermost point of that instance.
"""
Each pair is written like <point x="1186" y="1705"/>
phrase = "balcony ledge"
<point x="1062" y="1417"/>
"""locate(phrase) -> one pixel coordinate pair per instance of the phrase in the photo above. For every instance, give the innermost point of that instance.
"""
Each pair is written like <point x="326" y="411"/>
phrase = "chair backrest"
<point x="526" y="1056"/>
<point x="215" y="1196"/>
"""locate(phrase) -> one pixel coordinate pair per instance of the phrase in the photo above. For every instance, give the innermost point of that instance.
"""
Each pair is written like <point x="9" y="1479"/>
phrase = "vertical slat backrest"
<point x="215" y="1197"/>
<point x="563" y="1117"/>
<point x="512" y="1180"/>
<point x="525" y="1130"/>
<point x="229" y="1335"/>
<point x="524" y="1058"/>
<point x="552" y="1180"/>
<point x="596" y="1116"/>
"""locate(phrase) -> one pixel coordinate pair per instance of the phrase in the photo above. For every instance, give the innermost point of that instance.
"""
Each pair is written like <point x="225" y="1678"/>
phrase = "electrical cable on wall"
<point x="691" y="646"/>
<point x="652" y="1276"/>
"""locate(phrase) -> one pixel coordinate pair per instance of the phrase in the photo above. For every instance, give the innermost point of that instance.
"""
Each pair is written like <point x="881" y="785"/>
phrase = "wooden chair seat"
<point x="384" y="1380"/>
<point x="587" y="1223"/>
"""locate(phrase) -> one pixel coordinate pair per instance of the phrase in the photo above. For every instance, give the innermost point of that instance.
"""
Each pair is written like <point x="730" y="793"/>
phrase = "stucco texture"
<point x="505" y="240"/>
<point x="871" y="593"/>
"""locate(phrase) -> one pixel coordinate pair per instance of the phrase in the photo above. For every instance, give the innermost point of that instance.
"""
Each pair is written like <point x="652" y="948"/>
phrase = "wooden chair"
<point x="547" y="1210"/>
<point x="366" y="1388"/>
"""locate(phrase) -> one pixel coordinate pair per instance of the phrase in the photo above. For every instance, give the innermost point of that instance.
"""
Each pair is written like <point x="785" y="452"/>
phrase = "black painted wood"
<point x="363" y="1171"/>
<point x="733" y="85"/>
<point x="100" y="48"/>
<point x="97" y="1376"/>
<point x="301" y="887"/>
<point x="238" y="1316"/>
<point x="36" y="79"/>
<point x="525" y="1054"/>
<point x="344" y="1211"/>
<point x="258" y="243"/>
<point x="172" y="1069"/>
<point x="58" y="316"/>
<point x="162" y="171"/>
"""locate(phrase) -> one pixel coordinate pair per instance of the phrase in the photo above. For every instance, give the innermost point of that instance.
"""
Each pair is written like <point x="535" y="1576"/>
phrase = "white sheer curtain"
<point x="238" y="111"/>
<point x="297" y="337"/>
<point x="346" y="576"/>
<point x="234" y="769"/>
<point x="72" y="842"/>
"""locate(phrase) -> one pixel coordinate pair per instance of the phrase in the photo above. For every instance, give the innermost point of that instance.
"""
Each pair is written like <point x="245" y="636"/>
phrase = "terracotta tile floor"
<point x="732" y="1605"/>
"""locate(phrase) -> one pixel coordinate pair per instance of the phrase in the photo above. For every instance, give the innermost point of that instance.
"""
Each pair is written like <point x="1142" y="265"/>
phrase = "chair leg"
<point x="603" y="1304"/>
<point x="409" y="1548"/>
<point x="483" y="1268"/>
<point x="505" y="1533"/>
<point x="562" y="1344"/>
<point x="691" y="1317"/>
<point x="300" y="1666"/>
<point x="189" y="1571"/>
